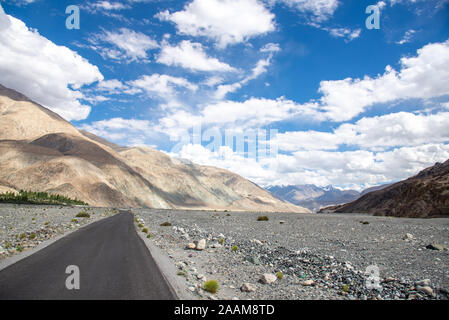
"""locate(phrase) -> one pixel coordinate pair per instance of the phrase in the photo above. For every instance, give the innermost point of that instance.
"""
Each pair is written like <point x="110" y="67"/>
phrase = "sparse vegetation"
<point x="345" y="288"/>
<point x="140" y="225"/>
<point x="149" y="236"/>
<point x="181" y="273"/>
<point x="19" y="248"/>
<point x="22" y="236"/>
<point x="145" y="230"/>
<point x="221" y="241"/>
<point x="364" y="222"/>
<point x="31" y="197"/>
<point x="74" y="221"/>
<point x="83" y="214"/>
<point x="211" y="286"/>
<point x="235" y="248"/>
<point x="279" y="275"/>
<point x="32" y="236"/>
<point x="166" y="224"/>
<point x="263" y="218"/>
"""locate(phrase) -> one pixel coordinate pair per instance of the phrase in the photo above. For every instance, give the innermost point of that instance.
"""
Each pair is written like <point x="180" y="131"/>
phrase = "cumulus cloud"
<point x="424" y="76"/>
<point x="225" y="21"/>
<point x="131" y="131"/>
<point x="321" y="10"/>
<point x="161" y="85"/>
<point x="372" y="133"/>
<point x="45" y="72"/>
<point x="126" y="44"/>
<point x="191" y="56"/>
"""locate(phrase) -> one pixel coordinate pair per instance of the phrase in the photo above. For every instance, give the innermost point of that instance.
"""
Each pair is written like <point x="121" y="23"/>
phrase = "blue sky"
<point x="352" y="107"/>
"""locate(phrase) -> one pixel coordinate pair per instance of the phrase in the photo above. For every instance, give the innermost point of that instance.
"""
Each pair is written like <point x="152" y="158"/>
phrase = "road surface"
<point x="113" y="262"/>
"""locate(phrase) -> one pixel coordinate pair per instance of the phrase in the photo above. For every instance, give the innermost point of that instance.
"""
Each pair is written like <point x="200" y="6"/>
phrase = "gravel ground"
<point x="23" y="227"/>
<point x="321" y="256"/>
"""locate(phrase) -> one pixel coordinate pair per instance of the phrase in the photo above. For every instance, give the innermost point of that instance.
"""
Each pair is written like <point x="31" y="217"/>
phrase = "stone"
<point x="191" y="246"/>
<point x="308" y="283"/>
<point x="423" y="283"/>
<point x="248" y="287"/>
<point x="407" y="236"/>
<point x="436" y="246"/>
<point x="427" y="290"/>
<point x="201" y="245"/>
<point x="267" y="278"/>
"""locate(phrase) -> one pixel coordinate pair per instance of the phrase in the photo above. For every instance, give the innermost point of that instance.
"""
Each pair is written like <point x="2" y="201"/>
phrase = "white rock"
<point x="191" y="246"/>
<point x="407" y="236"/>
<point x="201" y="245"/>
<point x="308" y="283"/>
<point x="267" y="278"/>
<point x="256" y="241"/>
<point x="427" y="290"/>
<point x="423" y="283"/>
<point x="248" y="287"/>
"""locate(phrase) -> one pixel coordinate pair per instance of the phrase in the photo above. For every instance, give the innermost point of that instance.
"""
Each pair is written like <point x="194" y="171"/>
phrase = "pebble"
<point x="248" y="287"/>
<point x="268" y="278"/>
<point x="201" y="245"/>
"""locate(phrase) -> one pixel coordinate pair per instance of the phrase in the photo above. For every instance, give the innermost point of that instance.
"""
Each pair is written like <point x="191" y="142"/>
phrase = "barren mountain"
<point x="423" y="195"/>
<point x="313" y="197"/>
<point x="40" y="151"/>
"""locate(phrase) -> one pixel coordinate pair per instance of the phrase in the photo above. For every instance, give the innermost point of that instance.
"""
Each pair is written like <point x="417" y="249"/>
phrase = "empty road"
<point x="113" y="262"/>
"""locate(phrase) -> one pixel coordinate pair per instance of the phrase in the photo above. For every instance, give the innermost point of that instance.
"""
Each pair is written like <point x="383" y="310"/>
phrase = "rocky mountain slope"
<point x="423" y="195"/>
<point x="313" y="197"/>
<point x="40" y="151"/>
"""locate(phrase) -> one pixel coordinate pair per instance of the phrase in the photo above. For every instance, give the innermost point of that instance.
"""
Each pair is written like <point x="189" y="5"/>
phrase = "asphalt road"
<point x="113" y="262"/>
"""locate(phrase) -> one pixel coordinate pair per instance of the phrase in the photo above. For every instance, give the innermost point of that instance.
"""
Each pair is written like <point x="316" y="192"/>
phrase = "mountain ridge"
<point x="41" y="151"/>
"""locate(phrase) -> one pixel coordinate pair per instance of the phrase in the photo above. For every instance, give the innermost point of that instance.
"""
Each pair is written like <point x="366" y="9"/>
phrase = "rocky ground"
<point x="318" y="256"/>
<point x="23" y="227"/>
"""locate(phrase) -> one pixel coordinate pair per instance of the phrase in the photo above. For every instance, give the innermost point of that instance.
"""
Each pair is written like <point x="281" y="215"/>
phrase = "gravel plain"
<point x="23" y="227"/>
<point x="320" y="256"/>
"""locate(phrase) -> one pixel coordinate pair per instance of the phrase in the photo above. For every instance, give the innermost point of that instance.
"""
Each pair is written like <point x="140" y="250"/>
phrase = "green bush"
<point x="145" y="230"/>
<point x="19" y="248"/>
<point x="166" y="224"/>
<point x="221" y="241"/>
<point x="32" y="197"/>
<point x="279" y="275"/>
<point x="211" y="286"/>
<point x="83" y="214"/>
<point x="32" y="236"/>
<point x="22" y="236"/>
<point x="235" y="248"/>
<point x="345" y="288"/>
<point x="263" y="218"/>
<point x="140" y="225"/>
<point x="149" y="236"/>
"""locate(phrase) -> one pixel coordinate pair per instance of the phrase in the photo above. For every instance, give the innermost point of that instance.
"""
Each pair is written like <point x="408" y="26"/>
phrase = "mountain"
<point x="423" y="195"/>
<point x="313" y="197"/>
<point x="40" y="151"/>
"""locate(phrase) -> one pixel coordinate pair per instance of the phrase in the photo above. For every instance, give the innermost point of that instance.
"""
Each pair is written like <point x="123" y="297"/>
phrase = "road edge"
<point x="168" y="269"/>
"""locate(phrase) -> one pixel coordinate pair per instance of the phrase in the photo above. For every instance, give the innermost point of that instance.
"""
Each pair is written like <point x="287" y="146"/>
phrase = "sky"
<point x="282" y="92"/>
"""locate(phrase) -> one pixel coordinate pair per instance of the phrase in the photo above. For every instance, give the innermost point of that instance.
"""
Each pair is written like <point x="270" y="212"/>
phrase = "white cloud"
<point x="407" y="37"/>
<point x="259" y="68"/>
<point x="224" y="21"/>
<point x="131" y="131"/>
<point x="190" y="56"/>
<point x="321" y="10"/>
<point x="375" y="133"/>
<point x="107" y="5"/>
<point x="346" y="33"/>
<point x="161" y="85"/>
<point x="424" y="76"/>
<point x="351" y="169"/>
<point x="42" y="70"/>
<point x="129" y="45"/>
<point x="271" y="47"/>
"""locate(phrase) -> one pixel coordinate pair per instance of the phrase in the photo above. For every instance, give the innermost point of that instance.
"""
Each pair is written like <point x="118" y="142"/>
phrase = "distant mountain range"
<point x="314" y="198"/>
<point x="40" y="151"/>
<point x="421" y="196"/>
